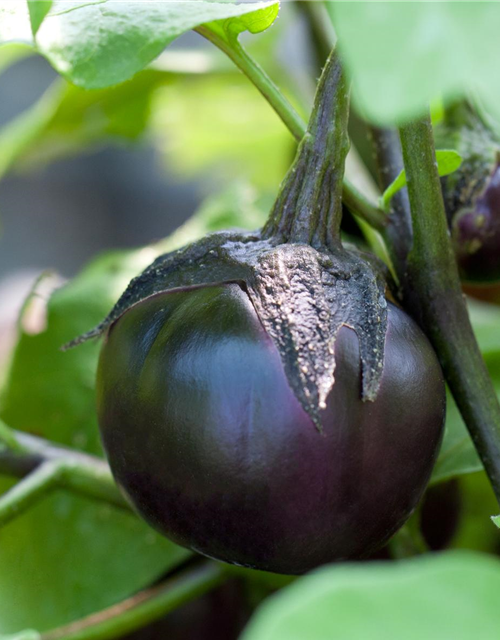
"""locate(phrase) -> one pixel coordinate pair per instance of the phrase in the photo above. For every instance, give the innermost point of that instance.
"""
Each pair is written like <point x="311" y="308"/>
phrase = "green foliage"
<point x="447" y="160"/>
<point x="38" y="9"/>
<point x="235" y="135"/>
<point x="448" y="597"/>
<point x="85" y="556"/>
<point x="27" y="634"/>
<point x="402" y="55"/>
<point x="458" y="455"/>
<point x="75" y="563"/>
<point x="68" y="120"/>
<point x="99" y="44"/>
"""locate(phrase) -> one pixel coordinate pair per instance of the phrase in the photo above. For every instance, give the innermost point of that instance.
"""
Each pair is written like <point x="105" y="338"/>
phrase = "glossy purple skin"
<point x="476" y="235"/>
<point x="205" y="436"/>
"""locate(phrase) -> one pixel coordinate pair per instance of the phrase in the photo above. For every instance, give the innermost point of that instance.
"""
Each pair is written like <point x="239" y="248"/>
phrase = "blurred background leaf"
<point x="402" y="55"/>
<point x="234" y="135"/>
<point x="458" y="455"/>
<point x="452" y="596"/>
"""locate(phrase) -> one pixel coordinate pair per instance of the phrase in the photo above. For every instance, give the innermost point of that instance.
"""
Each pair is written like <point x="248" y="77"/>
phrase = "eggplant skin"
<point x="476" y="235"/>
<point x="207" y="440"/>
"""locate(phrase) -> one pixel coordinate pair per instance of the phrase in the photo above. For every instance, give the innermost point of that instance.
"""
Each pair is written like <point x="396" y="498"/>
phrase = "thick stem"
<point x="358" y="203"/>
<point x="142" y="608"/>
<point x="398" y="231"/>
<point x="437" y="299"/>
<point x="309" y="206"/>
<point x="51" y="466"/>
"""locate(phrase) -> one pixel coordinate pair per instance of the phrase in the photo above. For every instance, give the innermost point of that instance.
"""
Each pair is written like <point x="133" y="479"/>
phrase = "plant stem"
<point x="437" y="301"/>
<point x="256" y="74"/>
<point x="142" y="608"/>
<point x="398" y="231"/>
<point x="8" y="439"/>
<point x="45" y="466"/>
<point x="358" y="203"/>
<point x="360" y="206"/>
<point x="308" y="209"/>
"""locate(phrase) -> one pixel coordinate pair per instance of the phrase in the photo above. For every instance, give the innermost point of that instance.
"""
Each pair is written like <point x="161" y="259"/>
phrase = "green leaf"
<point x="85" y="556"/>
<point x="447" y="160"/>
<point x="452" y="596"/>
<point x="496" y="521"/>
<point x="38" y="9"/>
<point x="458" y="455"/>
<point x="74" y="564"/>
<point x="402" y="55"/>
<point x="99" y="44"/>
<point x="27" y="634"/>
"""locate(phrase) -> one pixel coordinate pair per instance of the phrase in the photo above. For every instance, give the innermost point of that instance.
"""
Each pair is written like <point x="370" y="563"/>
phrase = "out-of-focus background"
<point x="93" y="186"/>
<point x="80" y="175"/>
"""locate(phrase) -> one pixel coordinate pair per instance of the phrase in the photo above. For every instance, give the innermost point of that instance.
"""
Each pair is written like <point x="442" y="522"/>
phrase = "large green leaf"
<point x="69" y="556"/>
<point x="458" y="455"/>
<point x="453" y="596"/>
<point x="401" y="55"/>
<point x="99" y="44"/>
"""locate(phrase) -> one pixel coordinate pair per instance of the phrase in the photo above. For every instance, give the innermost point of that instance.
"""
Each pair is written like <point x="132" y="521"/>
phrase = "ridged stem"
<point x="308" y="209"/>
<point x="436" y="298"/>
<point x="398" y="231"/>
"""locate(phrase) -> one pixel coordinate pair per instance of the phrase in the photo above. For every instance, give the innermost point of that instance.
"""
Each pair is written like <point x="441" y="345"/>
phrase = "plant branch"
<point x="45" y="466"/>
<point x="436" y="300"/>
<point x="358" y="203"/>
<point x="360" y="206"/>
<point x="144" y="607"/>
<point x="8" y="439"/>
<point x="398" y="231"/>
<point x="256" y="74"/>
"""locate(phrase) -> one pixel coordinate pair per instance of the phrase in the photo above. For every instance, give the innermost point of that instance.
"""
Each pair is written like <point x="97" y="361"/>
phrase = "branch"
<point x="143" y="608"/>
<point x="45" y="466"/>
<point x="8" y="439"/>
<point x="437" y="301"/>
<point x="398" y="232"/>
<point x="358" y="203"/>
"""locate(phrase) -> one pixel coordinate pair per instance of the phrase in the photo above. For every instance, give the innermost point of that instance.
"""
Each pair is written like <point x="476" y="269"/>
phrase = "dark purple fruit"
<point x="476" y="234"/>
<point x="472" y="193"/>
<point x="212" y="447"/>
